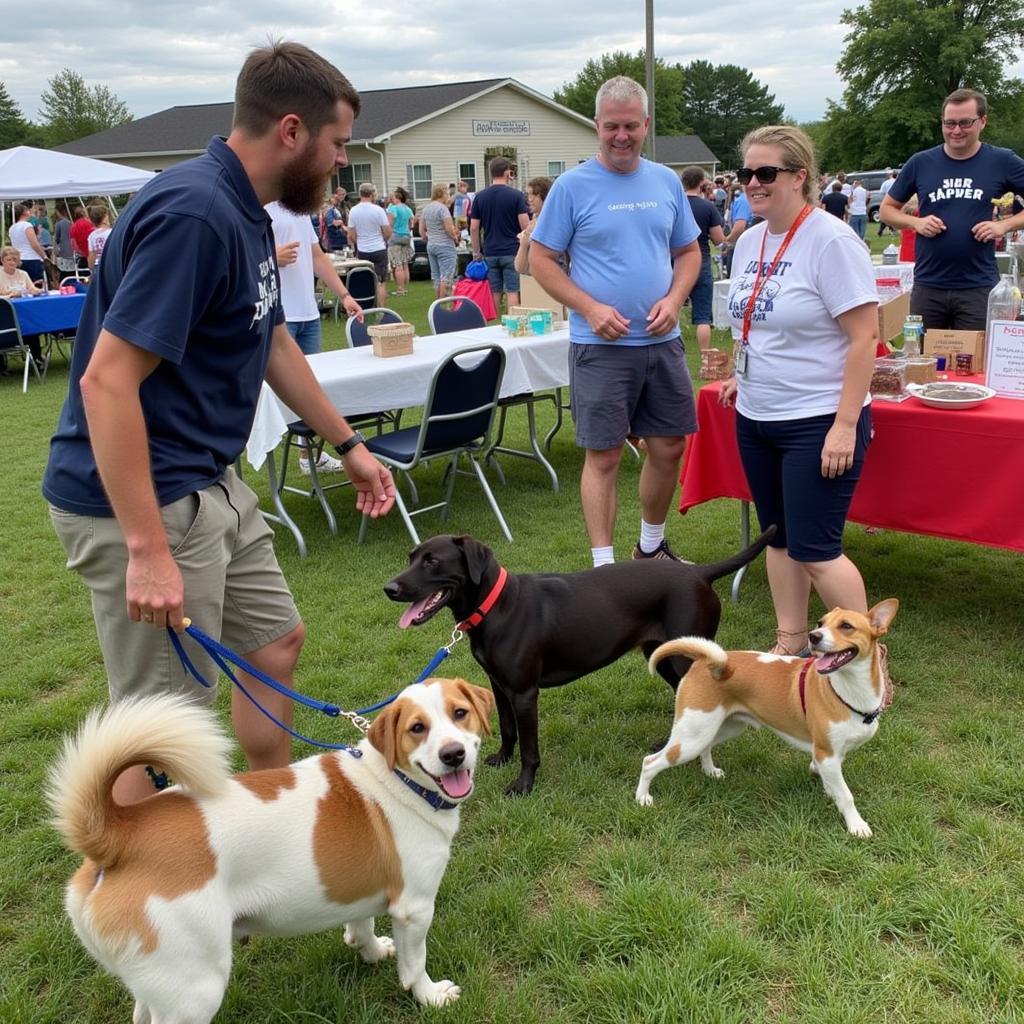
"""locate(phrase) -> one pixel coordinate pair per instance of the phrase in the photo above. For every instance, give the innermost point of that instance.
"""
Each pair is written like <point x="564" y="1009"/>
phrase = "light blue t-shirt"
<point x="619" y="231"/>
<point x="740" y="210"/>
<point x="403" y="216"/>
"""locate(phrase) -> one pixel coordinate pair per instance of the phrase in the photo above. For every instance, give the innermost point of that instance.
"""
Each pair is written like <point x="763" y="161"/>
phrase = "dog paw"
<point x="714" y="772"/>
<point x="521" y="787"/>
<point x="380" y="947"/>
<point x="497" y="759"/>
<point x="438" y="993"/>
<point x="859" y="828"/>
<point x="645" y="799"/>
<point x="814" y="768"/>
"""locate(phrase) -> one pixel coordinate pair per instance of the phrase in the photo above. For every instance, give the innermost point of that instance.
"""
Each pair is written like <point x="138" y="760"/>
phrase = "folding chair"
<point x="457" y="421"/>
<point x="454" y="313"/>
<point x="12" y="343"/>
<point x="357" y="333"/>
<point x="361" y="283"/>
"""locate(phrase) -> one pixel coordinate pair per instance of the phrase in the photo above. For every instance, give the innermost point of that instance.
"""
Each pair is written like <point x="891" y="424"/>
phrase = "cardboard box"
<point x="951" y="343"/>
<point x="533" y="296"/>
<point x="891" y="316"/>
<point x="392" y="339"/>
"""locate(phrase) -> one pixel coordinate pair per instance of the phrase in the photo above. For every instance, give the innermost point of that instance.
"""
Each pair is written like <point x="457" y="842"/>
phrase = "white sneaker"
<point x="325" y="464"/>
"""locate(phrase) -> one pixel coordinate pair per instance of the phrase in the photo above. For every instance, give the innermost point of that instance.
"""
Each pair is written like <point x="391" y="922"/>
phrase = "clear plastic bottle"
<point x="1003" y="301"/>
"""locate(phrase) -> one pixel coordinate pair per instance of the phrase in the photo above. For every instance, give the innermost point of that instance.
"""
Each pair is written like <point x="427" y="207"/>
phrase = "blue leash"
<point x="224" y="657"/>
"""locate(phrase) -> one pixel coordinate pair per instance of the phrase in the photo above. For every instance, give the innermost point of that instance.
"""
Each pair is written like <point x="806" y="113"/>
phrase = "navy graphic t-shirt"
<point x="960" y="192"/>
<point x="188" y="273"/>
<point x="707" y="217"/>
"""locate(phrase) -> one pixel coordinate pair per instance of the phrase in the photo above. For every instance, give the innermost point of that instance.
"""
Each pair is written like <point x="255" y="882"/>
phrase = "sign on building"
<point x="512" y="126"/>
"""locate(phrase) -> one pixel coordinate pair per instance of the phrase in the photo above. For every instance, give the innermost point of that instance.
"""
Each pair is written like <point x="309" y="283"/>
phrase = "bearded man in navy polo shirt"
<point x="181" y="326"/>
<point x="955" y="184"/>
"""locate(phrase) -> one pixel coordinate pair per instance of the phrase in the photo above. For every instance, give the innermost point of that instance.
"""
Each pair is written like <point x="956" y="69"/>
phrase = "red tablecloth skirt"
<point x="955" y="474"/>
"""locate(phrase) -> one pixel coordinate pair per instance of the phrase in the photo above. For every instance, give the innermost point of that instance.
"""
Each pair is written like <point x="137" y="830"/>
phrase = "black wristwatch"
<point x="346" y="446"/>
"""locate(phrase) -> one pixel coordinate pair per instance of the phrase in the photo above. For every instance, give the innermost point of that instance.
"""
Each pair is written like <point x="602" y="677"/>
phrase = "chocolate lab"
<point x="546" y="629"/>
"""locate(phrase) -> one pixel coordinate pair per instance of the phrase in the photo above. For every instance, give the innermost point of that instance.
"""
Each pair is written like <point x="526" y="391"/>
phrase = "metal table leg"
<point x="744" y="542"/>
<point x="281" y="517"/>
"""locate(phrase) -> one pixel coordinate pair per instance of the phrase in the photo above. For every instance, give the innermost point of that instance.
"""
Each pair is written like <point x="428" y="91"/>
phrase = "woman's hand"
<point x="727" y="394"/>
<point x="837" y="452"/>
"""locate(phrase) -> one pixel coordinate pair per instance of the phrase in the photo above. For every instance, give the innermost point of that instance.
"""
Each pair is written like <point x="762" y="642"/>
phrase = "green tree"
<point x="14" y="129"/>
<point x="71" y="109"/>
<point x="903" y="57"/>
<point x="722" y="103"/>
<point x="579" y="94"/>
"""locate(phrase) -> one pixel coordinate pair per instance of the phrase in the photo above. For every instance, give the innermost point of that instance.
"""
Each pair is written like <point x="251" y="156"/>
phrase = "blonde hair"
<point x="9" y="250"/>
<point x="797" y="152"/>
<point x="439" y="191"/>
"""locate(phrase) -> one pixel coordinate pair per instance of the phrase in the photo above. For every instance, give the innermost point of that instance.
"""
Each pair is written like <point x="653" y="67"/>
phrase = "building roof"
<point x="682" y="149"/>
<point x="385" y="112"/>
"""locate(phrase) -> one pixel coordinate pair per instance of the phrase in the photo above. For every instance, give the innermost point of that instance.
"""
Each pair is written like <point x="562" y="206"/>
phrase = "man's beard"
<point x="302" y="189"/>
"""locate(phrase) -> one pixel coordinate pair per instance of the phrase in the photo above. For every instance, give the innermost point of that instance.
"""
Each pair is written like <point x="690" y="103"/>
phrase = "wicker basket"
<point x="392" y="339"/>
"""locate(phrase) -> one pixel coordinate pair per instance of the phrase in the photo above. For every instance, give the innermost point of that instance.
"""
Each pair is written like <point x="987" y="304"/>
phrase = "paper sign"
<point x="1005" y="358"/>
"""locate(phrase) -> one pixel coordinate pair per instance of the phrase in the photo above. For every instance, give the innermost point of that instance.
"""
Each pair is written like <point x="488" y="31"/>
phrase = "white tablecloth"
<point x="357" y="381"/>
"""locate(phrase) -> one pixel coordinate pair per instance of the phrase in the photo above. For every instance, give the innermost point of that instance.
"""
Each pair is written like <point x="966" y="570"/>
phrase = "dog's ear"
<point x="383" y="733"/>
<point x="477" y="556"/>
<point x="882" y="615"/>
<point x="482" y="701"/>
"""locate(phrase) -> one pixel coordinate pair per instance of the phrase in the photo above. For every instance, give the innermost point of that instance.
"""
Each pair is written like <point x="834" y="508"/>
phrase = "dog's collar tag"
<point x="488" y="602"/>
<point x="432" y="797"/>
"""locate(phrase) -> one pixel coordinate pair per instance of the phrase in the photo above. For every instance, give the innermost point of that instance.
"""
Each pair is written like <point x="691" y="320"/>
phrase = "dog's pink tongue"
<point x="457" y="783"/>
<point x="826" y="662"/>
<point x="409" y="615"/>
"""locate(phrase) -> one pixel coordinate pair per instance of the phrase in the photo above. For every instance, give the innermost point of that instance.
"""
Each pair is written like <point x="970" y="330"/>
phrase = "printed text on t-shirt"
<point x="956" y="188"/>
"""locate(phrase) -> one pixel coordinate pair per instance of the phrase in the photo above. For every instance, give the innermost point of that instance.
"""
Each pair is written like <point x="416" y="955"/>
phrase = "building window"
<point x="555" y="168"/>
<point x="420" y="180"/>
<point x="351" y="177"/>
<point x="467" y="173"/>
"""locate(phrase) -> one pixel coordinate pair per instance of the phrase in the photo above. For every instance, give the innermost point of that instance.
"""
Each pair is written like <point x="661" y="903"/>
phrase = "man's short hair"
<point x="837" y="186"/>
<point x="499" y="166"/>
<point x="620" y="90"/>
<point x="367" y="190"/>
<point x="965" y="96"/>
<point x="97" y="214"/>
<point x="692" y="176"/>
<point x="289" y="78"/>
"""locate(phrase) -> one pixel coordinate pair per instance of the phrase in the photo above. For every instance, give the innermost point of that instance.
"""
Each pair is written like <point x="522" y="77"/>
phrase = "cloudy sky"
<point x="160" y="53"/>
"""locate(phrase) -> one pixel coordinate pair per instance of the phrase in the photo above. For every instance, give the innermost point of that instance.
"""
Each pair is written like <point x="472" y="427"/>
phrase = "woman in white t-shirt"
<point x="805" y="353"/>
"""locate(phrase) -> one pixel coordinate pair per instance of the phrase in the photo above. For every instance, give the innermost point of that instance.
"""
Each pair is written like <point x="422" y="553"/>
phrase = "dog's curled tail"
<point x="697" y="648"/>
<point x="167" y="732"/>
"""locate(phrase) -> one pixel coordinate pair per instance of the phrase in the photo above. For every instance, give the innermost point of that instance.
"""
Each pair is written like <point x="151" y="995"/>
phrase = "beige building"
<point x="413" y="137"/>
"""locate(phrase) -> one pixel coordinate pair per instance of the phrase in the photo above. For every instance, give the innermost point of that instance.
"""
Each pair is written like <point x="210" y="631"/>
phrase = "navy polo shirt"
<point x="961" y="193"/>
<point x="189" y="274"/>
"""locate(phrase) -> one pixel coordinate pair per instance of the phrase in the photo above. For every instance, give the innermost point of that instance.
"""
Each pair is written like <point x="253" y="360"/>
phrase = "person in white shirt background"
<point x="859" y="208"/>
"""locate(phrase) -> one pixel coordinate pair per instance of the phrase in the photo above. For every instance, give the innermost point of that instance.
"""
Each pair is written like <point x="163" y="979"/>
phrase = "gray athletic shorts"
<point x="234" y="589"/>
<point x="616" y="390"/>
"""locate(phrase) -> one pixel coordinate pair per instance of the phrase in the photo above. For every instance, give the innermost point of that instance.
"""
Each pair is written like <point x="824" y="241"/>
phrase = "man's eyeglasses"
<point x="766" y="175"/>
<point x="962" y="123"/>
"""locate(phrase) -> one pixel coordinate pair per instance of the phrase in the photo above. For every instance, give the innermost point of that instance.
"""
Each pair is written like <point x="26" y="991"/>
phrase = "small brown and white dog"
<point x="334" y="839"/>
<point x="827" y="705"/>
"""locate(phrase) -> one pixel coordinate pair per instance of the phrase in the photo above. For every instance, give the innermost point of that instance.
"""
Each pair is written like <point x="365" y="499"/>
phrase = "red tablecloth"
<point x="955" y="474"/>
<point x="480" y="293"/>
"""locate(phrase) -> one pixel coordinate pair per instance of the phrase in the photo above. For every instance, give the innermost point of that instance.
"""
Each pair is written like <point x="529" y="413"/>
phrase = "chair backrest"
<point x="455" y="313"/>
<point x="361" y="283"/>
<point x="462" y="399"/>
<point x="10" y="329"/>
<point x="358" y="333"/>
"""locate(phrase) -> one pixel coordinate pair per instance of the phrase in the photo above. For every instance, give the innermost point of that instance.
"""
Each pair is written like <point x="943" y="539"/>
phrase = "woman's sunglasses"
<point x="766" y="175"/>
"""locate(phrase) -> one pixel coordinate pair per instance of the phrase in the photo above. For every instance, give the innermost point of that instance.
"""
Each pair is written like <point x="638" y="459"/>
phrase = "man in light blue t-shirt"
<point x="632" y="245"/>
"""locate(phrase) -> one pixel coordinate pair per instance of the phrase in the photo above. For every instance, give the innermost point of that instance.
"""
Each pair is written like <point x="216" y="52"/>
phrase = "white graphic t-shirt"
<point x="797" y="349"/>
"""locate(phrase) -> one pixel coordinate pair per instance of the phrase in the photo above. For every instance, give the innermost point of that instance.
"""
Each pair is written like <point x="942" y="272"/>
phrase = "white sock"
<point x="603" y="556"/>
<point x="651" y="535"/>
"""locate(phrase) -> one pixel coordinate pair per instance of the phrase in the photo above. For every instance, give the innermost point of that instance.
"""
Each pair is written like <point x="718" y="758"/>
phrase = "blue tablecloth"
<point x="42" y="314"/>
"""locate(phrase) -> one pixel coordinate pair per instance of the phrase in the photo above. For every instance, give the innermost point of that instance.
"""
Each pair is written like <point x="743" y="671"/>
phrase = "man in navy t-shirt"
<point x="955" y="184"/>
<point x="711" y="226"/>
<point x="835" y="202"/>
<point x="501" y="211"/>
<point x="181" y="326"/>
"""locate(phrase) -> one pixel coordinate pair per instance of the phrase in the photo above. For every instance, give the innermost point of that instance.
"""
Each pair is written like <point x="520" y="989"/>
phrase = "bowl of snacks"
<point x="950" y="395"/>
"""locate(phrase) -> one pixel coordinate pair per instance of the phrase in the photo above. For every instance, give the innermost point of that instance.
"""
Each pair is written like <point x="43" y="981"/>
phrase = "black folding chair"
<point x="361" y="283"/>
<point x="457" y="421"/>
<point x="454" y="313"/>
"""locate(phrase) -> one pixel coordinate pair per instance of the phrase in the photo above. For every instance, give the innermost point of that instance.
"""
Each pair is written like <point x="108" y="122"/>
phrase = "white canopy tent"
<point x="27" y="173"/>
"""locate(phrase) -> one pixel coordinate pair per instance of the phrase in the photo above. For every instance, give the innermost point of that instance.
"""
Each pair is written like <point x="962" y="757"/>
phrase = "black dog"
<point x="546" y="629"/>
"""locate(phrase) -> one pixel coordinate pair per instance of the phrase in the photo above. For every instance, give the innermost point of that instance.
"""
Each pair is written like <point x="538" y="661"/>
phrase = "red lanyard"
<point x="760" y="279"/>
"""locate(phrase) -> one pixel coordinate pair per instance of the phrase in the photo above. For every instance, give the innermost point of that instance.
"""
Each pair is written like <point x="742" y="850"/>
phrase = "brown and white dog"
<point x="334" y="839"/>
<point x="827" y="705"/>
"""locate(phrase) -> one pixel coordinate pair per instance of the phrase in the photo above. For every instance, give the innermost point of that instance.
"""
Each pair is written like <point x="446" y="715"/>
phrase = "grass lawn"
<point x="739" y="901"/>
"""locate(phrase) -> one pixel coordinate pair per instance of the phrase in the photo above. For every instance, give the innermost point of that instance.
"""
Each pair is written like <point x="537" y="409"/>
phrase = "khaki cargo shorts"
<point x="234" y="588"/>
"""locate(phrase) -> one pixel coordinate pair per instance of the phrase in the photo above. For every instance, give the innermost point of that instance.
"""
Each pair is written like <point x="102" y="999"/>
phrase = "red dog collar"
<point x="488" y="602"/>
<point x="803" y="684"/>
